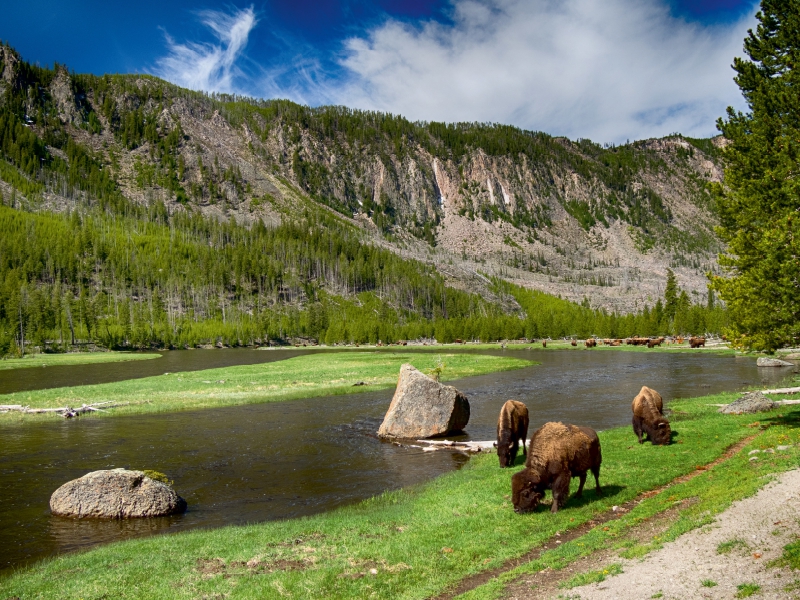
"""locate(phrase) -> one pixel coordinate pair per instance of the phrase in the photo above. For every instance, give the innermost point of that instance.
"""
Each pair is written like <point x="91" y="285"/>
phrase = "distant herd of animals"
<point x="694" y="342"/>
<point x="557" y="452"/>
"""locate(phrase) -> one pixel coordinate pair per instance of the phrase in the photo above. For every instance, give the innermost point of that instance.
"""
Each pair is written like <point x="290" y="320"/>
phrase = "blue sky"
<point x="608" y="70"/>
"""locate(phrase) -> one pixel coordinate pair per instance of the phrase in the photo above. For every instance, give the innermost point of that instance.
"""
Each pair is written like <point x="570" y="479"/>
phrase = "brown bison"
<point x="544" y="343"/>
<point x="574" y="343"/>
<point x="591" y="343"/>
<point x="696" y="342"/>
<point x="557" y="452"/>
<point x="512" y="426"/>
<point x="648" y="417"/>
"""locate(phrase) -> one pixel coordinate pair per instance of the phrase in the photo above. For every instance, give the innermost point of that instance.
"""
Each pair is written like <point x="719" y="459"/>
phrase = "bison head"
<point x="661" y="434"/>
<point x="506" y="452"/>
<point x="525" y="493"/>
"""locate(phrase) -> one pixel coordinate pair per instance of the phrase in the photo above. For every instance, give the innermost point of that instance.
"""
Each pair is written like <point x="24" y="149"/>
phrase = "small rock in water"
<point x="115" y="494"/>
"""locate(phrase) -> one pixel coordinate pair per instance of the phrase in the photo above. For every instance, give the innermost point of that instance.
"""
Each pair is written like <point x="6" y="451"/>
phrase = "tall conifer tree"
<point x="760" y="203"/>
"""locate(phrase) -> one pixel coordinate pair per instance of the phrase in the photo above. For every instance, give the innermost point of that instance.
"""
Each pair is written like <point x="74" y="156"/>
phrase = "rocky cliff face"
<point x="569" y="218"/>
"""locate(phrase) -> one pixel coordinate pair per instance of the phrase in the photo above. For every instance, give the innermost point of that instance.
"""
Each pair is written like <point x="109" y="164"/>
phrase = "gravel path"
<point x="754" y="530"/>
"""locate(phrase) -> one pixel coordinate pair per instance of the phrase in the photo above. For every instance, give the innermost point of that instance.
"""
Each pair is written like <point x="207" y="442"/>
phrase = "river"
<point x="261" y="462"/>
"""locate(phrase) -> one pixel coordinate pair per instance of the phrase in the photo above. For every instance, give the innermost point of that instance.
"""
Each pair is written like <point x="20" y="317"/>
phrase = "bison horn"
<point x="662" y="424"/>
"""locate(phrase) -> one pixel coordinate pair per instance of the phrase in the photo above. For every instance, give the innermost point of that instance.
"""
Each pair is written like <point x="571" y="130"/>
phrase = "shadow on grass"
<point x="786" y="418"/>
<point x="589" y="496"/>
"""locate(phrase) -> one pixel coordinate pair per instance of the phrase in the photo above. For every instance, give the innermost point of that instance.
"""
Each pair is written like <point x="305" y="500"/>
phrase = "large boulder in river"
<point x="423" y="408"/>
<point x="115" y="494"/>
<point x="763" y="361"/>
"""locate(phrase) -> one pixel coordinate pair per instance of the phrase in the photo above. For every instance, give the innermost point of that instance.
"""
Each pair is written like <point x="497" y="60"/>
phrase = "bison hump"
<point x="556" y="443"/>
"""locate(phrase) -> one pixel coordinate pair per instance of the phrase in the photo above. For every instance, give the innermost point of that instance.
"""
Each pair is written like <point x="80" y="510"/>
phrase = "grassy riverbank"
<point x="73" y="358"/>
<point x="323" y="374"/>
<point x="421" y="541"/>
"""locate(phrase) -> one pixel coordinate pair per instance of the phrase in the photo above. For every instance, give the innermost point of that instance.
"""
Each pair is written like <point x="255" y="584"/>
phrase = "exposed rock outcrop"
<point x="763" y="361"/>
<point x="115" y="494"/>
<point x="423" y="408"/>
<point x="752" y="402"/>
<point x="64" y="96"/>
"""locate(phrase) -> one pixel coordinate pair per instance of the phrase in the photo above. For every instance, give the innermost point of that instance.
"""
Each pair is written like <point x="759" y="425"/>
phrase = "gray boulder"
<point x="763" y="361"/>
<point x="751" y="402"/>
<point x="115" y="494"/>
<point x="423" y="408"/>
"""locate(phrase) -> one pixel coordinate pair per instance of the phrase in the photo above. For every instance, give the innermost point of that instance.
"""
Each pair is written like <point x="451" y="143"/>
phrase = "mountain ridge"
<point x="475" y="201"/>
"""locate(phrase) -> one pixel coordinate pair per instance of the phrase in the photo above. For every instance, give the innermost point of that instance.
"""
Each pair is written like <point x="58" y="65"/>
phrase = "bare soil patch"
<point x="723" y="560"/>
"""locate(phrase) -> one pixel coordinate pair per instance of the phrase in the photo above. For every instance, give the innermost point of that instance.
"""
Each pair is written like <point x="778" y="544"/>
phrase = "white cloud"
<point x="608" y="70"/>
<point x="205" y="66"/>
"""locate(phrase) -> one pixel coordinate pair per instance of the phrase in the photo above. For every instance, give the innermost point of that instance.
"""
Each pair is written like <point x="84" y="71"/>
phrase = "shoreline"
<point x="74" y="358"/>
<point x="426" y="540"/>
<point x="307" y="376"/>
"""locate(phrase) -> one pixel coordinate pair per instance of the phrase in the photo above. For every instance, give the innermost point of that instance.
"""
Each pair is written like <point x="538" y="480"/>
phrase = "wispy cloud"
<point x="605" y="70"/>
<point x="609" y="71"/>
<point x="210" y="66"/>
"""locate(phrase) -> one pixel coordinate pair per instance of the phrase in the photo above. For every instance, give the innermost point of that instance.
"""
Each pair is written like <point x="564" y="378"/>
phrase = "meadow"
<point x="423" y="541"/>
<point x="72" y="358"/>
<point x="308" y="376"/>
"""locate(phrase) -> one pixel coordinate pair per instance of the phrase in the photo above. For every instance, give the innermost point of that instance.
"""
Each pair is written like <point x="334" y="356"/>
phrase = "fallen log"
<point x="475" y="447"/>
<point x="781" y="402"/>
<point x="791" y="390"/>
<point x="64" y="411"/>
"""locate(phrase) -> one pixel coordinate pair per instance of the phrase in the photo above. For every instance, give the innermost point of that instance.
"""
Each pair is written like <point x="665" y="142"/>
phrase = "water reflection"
<point x="254" y="463"/>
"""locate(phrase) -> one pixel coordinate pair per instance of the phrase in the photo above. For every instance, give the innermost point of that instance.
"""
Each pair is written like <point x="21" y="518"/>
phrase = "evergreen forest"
<point x="103" y="270"/>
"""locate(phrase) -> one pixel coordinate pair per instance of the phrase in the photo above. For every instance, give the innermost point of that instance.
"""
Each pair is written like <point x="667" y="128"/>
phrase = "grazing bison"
<point x="557" y="452"/>
<point x="512" y="426"/>
<point x="544" y="343"/>
<point x="574" y="343"/>
<point x="696" y="342"/>
<point x="591" y="343"/>
<point x="648" y="417"/>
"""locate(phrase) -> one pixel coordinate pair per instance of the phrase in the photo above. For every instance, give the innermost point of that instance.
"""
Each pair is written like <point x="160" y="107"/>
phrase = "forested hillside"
<point x="138" y="214"/>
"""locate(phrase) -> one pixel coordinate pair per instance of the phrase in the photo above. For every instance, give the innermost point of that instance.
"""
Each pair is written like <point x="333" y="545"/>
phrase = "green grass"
<point x="745" y="590"/>
<point x="322" y="374"/>
<point x="423" y="540"/>
<point x="593" y="576"/>
<point x="790" y="557"/>
<point x="709" y="583"/>
<point x="73" y="358"/>
<point x="707" y="494"/>
<point x="735" y="544"/>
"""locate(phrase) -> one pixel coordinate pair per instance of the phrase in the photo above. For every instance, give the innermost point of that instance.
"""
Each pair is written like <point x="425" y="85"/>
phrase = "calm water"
<point x="255" y="463"/>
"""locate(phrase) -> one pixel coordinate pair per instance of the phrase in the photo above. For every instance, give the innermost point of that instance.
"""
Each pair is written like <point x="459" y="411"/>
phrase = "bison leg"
<point x="560" y="491"/>
<point x="582" y="479"/>
<point x="596" y="473"/>
<point x="637" y="428"/>
<point x="524" y="435"/>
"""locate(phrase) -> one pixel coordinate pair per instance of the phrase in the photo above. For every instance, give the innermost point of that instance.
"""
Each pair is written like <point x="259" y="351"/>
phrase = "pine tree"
<point x="760" y="202"/>
<point x="671" y="296"/>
